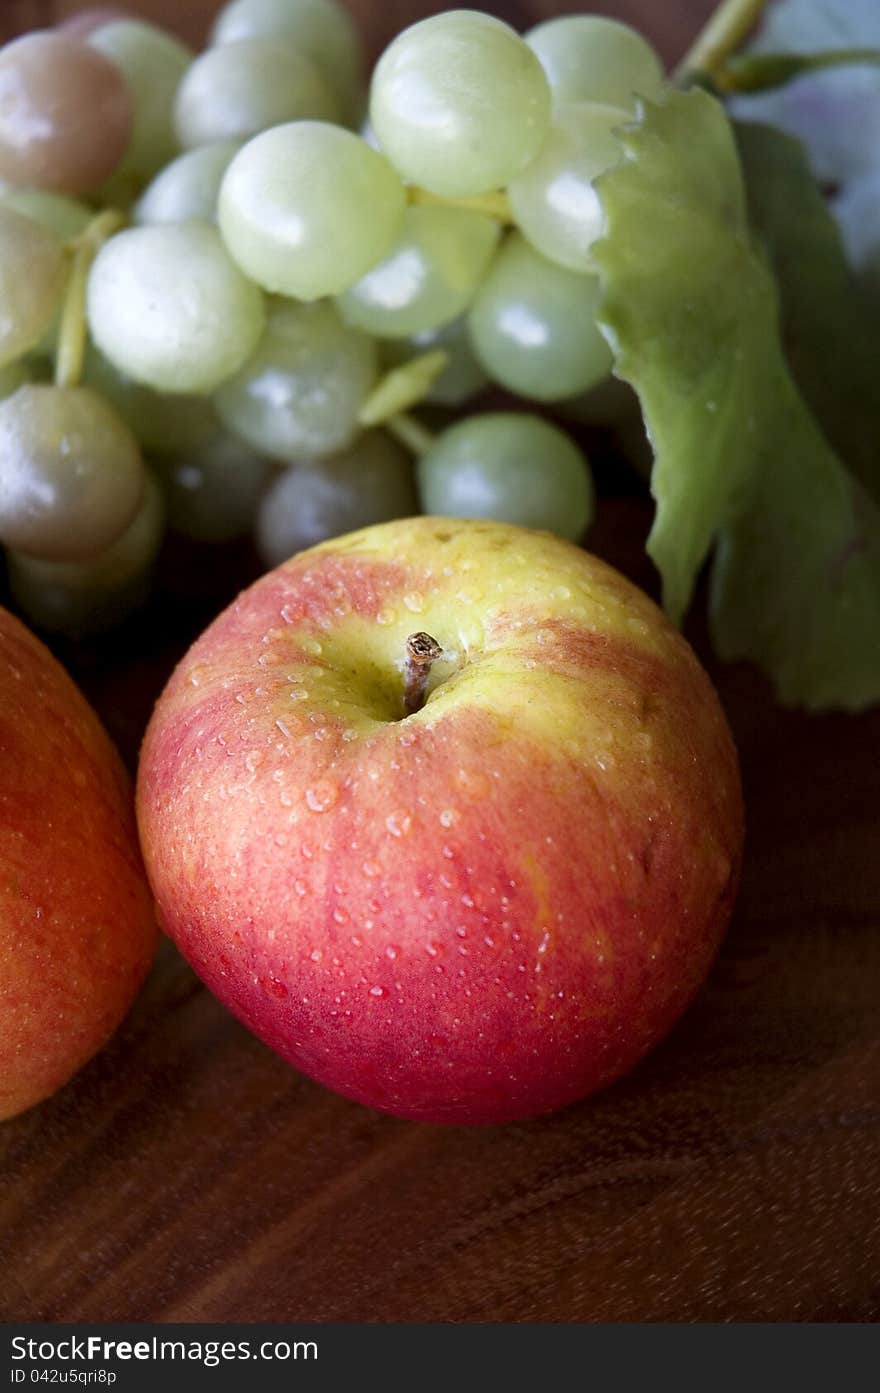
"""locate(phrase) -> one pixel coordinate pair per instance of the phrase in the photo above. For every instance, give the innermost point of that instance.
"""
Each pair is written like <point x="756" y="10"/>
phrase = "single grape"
<point x="33" y="273"/>
<point x="509" y="468"/>
<point x="85" y="22"/>
<point x="554" y="201"/>
<point x="236" y="91"/>
<point x="461" y="379"/>
<point x="83" y="598"/>
<point x="459" y="103"/>
<point x="212" y="493"/>
<point x="588" y="58"/>
<point x="533" y="326"/>
<point x="188" y="187"/>
<point x="153" y="64"/>
<point x="309" y="503"/>
<point x="65" y="114"/>
<point x="164" y="424"/>
<point x="66" y="217"/>
<point x="307" y="208"/>
<point x="299" y="395"/>
<point x="169" y="308"/>
<point x="71" y="475"/>
<point x="322" y="31"/>
<point x="428" y="278"/>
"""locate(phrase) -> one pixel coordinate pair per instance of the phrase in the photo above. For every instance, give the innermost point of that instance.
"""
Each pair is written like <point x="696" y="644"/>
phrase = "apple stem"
<point x="422" y="652"/>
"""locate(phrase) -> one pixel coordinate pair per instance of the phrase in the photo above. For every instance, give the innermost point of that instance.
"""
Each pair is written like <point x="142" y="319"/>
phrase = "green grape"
<point x="58" y="213"/>
<point x="554" y="201"/>
<point x="164" y="424"/>
<point x="309" y="503"/>
<point x="168" y="307"/>
<point x="33" y="273"/>
<point x="188" y="187"/>
<point x="509" y="468"/>
<point x="212" y="493"/>
<point x="236" y="91"/>
<point x="300" y="393"/>
<point x="322" y="31"/>
<point x="428" y="278"/>
<point x="71" y="475"/>
<point x="533" y="326"/>
<point x="462" y="378"/>
<point x="591" y="59"/>
<point x="153" y="64"/>
<point x="459" y="103"/>
<point x="80" y="599"/>
<point x="65" y="114"/>
<point x="307" y="208"/>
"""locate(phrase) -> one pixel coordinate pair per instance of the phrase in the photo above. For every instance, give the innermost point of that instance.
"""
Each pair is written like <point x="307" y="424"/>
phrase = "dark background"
<point x="187" y="1174"/>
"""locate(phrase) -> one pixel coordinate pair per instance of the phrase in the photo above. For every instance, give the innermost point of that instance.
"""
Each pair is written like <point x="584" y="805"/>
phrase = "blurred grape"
<point x="309" y="503"/>
<point x="428" y="278"/>
<point x="189" y="187"/>
<point x="307" y="208"/>
<point x="33" y="273"/>
<point x="321" y="30"/>
<point x="588" y="58"/>
<point x="236" y="91"/>
<point x="169" y="308"/>
<point x="459" y="104"/>
<point x="212" y="492"/>
<point x="299" y="395"/>
<point x="81" y="599"/>
<point x="71" y="476"/>
<point x="66" y="114"/>
<point x="153" y="64"/>
<point x="509" y="468"/>
<point x="533" y="326"/>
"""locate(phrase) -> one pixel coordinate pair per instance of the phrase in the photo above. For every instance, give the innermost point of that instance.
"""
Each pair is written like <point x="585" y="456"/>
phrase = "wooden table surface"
<point x="188" y="1174"/>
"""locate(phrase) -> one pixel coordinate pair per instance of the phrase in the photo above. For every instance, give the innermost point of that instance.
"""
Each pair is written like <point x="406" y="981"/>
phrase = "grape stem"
<point x="493" y="205"/>
<point x="422" y="652"/>
<point x="411" y="433"/>
<point x="72" y="335"/>
<point x="759" y="71"/>
<point x="729" y="25"/>
<point x="403" y="387"/>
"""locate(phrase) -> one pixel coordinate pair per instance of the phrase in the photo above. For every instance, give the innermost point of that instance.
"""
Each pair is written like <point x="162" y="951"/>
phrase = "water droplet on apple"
<point x="392" y="952"/>
<point x="316" y="955"/>
<point x="312" y="647"/>
<point x="414" y="602"/>
<point x="273" y="987"/>
<point x="386" y="615"/>
<point x="372" y="869"/>
<point x="197" y="675"/>
<point x="321" y="796"/>
<point x="300" y="887"/>
<point x="398" y="823"/>
<point x="356" y="942"/>
<point x="340" y="916"/>
<point x="377" y="991"/>
<point x="461" y="931"/>
<point x="448" y="817"/>
<point x="435" y="949"/>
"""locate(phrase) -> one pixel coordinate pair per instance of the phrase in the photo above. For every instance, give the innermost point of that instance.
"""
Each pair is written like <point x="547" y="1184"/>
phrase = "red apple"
<point x="476" y="912"/>
<point x="77" y="923"/>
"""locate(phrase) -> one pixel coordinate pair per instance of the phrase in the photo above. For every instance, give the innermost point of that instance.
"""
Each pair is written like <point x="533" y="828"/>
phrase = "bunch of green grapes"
<point x="227" y="280"/>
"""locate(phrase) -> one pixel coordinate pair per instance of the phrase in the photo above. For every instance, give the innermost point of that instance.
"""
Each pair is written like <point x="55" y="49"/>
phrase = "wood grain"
<point x="189" y="1174"/>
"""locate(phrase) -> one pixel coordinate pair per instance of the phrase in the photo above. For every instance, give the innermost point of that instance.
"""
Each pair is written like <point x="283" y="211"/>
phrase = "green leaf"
<point x="830" y="336"/>
<point x="690" y="307"/>
<point x="690" y="311"/>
